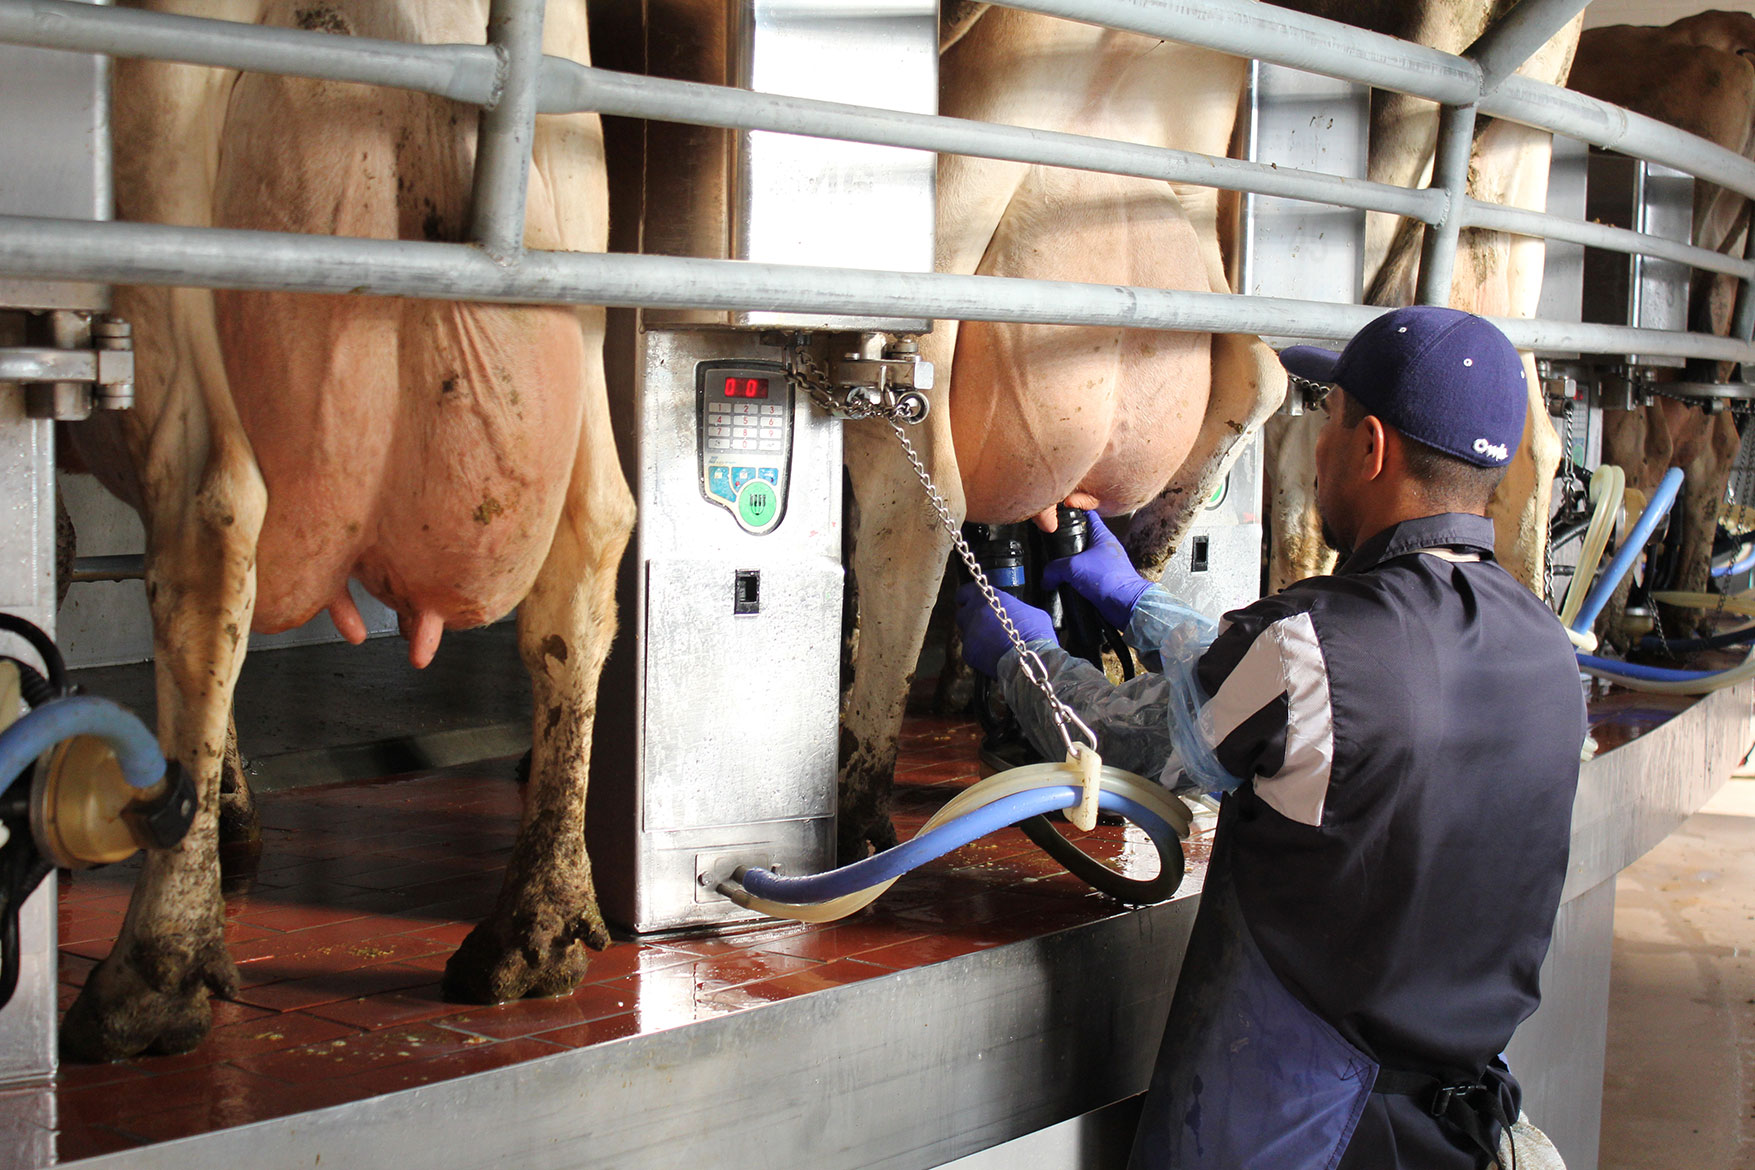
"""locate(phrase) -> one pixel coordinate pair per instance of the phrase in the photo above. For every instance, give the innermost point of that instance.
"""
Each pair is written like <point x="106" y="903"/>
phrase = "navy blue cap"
<point x="1447" y="378"/>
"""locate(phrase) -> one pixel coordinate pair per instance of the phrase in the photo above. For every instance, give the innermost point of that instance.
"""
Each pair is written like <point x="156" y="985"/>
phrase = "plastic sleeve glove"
<point x="1101" y="574"/>
<point x="1156" y="615"/>
<point x="984" y="639"/>
<point x="1127" y="719"/>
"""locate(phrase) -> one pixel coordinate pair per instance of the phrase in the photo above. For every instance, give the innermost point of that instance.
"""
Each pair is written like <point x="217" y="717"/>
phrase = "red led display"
<point x="746" y="387"/>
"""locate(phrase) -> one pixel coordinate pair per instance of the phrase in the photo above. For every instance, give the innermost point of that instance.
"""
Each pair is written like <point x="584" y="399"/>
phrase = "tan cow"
<point x="456" y="459"/>
<point x="1028" y="416"/>
<point x="1695" y="74"/>
<point x="1496" y="274"/>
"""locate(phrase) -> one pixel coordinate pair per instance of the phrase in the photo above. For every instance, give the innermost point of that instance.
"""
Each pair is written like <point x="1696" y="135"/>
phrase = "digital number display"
<point x="736" y="387"/>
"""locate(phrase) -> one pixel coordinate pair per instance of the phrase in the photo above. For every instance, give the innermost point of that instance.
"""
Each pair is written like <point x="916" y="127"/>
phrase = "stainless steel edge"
<point x="902" y="1072"/>
<point x="1633" y="797"/>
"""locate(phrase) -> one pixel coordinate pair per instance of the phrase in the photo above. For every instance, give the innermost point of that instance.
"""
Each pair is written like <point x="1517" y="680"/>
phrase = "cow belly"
<point x="1039" y="412"/>
<point x="423" y="447"/>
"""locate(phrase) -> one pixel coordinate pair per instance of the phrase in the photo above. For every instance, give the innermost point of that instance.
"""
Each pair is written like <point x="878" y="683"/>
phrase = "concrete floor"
<point x="1680" y="1085"/>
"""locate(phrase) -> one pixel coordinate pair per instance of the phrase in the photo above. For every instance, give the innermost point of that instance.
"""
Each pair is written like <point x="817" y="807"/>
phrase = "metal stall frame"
<point x="493" y="75"/>
<point x="513" y="82"/>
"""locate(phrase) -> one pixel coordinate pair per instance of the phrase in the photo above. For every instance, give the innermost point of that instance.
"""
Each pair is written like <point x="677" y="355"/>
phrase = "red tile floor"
<point x="364" y="889"/>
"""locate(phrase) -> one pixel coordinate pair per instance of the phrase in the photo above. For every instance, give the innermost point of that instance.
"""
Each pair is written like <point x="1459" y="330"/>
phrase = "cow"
<point x="1695" y="74"/>
<point x="1029" y="416"/>
<point x="1496" y="275"/>
<point x="456" y="459"/>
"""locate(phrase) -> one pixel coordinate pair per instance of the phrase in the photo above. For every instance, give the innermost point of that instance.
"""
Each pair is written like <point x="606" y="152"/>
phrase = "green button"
<point x="758" y="503"/>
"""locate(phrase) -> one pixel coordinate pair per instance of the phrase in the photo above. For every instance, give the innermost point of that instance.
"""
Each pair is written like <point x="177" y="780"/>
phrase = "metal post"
<point x="1517" y="36"/>
<point x="502" y="154"/>
<point x="1450" y="173"/>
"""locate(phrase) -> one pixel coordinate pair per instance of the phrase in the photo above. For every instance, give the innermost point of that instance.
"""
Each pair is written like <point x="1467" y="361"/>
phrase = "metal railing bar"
<point x="1576" y="115"/>
<point x="465" y="73"/>
<point x="1523" y="222"/>
<point x="472" y="74"/>
<point x="1450" y="174"/>
<point x="129" y="253"/>
<point x="1517" y="36"/>
<point x="508" y="130"/>
<point x="1247" y="29"/>
<point x="469" y="73"/>
<point x="582" y="87"/>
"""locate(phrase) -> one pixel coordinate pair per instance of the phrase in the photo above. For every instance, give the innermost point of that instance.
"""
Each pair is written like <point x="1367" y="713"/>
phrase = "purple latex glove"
<point x="984" y="639"/>
<point x="1101" y="574"/>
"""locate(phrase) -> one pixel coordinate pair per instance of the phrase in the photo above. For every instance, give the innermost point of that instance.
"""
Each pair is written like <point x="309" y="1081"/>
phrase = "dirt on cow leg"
<point x="535" y="941"/>
<point x="866" y="794"/>
<point x="150" y="994"/>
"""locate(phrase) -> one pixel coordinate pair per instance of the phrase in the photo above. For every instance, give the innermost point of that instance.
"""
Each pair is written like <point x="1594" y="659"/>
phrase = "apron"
<point x="1247" y="1075"/>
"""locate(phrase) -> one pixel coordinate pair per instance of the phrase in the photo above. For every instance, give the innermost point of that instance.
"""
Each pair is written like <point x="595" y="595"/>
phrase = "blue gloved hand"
<point x="1101" y="574"/>
<point x="984" y="639"/>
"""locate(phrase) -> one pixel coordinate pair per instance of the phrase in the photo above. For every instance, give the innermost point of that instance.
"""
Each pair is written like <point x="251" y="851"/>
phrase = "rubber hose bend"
<point x="36" y="732"/>
<point x="996" y="802"/>
<point x="1628" y="553"/>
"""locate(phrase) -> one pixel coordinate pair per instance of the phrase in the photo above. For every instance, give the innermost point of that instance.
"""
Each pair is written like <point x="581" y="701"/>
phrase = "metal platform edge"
<point x="911" y="1070"/>
<point x="905" y="1071"/>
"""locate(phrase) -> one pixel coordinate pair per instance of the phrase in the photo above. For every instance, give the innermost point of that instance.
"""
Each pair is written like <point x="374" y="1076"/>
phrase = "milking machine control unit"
<point x="744" y="436"/>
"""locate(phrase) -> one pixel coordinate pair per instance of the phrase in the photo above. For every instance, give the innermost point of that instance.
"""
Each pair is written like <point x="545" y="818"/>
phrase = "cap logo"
<point x="1495" y="450"/>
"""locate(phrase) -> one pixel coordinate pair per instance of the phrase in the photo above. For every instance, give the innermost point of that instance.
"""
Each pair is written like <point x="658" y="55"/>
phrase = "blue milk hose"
<point x="136" y="748"/>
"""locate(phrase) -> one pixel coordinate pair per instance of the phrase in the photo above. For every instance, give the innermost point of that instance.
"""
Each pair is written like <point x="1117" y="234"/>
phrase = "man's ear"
<point x="1372" y="446"/>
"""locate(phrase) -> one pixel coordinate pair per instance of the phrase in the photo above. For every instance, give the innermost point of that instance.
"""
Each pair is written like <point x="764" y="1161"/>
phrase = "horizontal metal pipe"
<point x="570" y="87"/>
<point x="32" y="364"/>
<point x="127" y="253"/>
<point x="1519" y="221"/>
<point x="469" y="73"/>
<point x="465" y="73"/>
<point x="1247" y="29"/>
<point x="120" y="567"/>
<point x="1548" y="107"/>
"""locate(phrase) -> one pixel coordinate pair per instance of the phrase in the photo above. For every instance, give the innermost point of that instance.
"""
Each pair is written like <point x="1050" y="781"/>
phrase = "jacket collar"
<point x="1454" y="530"/>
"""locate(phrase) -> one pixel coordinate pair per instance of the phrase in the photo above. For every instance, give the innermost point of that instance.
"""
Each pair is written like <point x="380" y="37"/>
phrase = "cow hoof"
<point x="133" y="1004"/>
<point x="538" y="956"/>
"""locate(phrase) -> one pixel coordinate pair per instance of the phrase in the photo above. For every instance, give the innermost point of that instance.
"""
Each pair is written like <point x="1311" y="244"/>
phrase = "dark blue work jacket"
<point x="1383" y="886"/>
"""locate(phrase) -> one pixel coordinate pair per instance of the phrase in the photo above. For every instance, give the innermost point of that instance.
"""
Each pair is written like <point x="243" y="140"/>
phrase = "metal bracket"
<point x="879" y="377"/>
<point x="67" y="382"/>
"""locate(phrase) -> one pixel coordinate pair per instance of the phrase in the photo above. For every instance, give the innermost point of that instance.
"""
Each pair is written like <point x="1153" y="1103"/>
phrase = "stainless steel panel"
<point x="1292" y="248"/>
<point x="811" y="201"/>
<point x="55" y="159"/>
<point x="1635" y="796"/>
<point x="741" y="710"/>
<point x="1563" y="264"/>
<point x="1558" y="1054"/>
<point x="902" y="1072"/>
<point x="717" y="729"/>
<point x="1217" y="567"/>
<point x="1641" y="291"/>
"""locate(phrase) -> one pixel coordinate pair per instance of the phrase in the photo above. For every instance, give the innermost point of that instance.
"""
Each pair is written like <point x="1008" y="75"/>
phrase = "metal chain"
<point x="809" y="376"/>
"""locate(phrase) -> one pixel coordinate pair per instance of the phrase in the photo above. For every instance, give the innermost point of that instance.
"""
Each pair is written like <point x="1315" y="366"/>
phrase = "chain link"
<point x="809" y="376"/>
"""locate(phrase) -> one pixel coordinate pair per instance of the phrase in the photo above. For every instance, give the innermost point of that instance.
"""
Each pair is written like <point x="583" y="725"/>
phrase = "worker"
<point x="1398" y="746"/>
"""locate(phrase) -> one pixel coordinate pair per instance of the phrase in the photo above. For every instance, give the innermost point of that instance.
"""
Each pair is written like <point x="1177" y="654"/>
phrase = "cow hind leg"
<point x="899" y="552"/>
<point x="535" y="941"/>
<point x="150" y="994"/>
